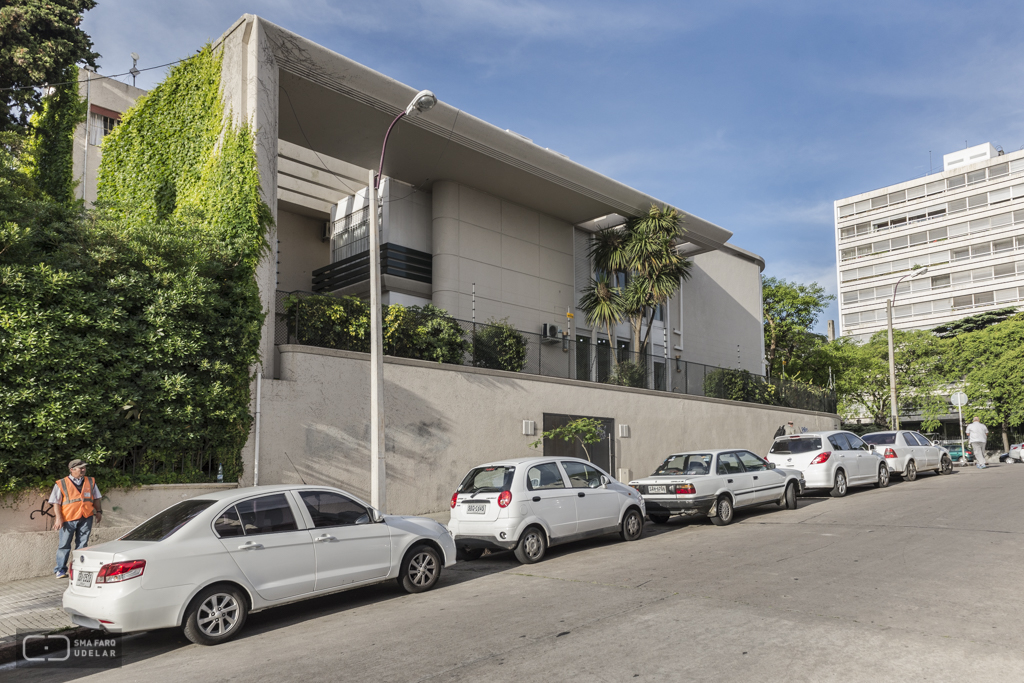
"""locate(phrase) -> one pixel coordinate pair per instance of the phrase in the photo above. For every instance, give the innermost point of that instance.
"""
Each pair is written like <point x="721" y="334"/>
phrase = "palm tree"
<point x="644" y="250"/>
<point x="604" y="305"/>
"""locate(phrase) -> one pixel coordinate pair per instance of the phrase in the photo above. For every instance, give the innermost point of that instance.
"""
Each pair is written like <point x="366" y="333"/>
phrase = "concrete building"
<point x="474" y="217"/>
<point x="965" y="223"/>
<point x="106" y="99"/>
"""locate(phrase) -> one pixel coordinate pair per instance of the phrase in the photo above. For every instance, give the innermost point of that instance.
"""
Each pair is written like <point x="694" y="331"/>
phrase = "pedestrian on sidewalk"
<point x="76" y="503"/>
<point x="977" y="434"/>
<point x="790" y="429"/>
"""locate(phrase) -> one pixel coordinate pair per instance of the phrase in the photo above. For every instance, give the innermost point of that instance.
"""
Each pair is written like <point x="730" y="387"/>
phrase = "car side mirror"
<point x="604" y="481"/>
<point x="771" y="466"/>
<point x="376" y="516"/>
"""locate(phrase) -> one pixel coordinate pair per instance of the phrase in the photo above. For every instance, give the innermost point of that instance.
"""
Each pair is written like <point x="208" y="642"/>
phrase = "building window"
<point x="100" y="126"/>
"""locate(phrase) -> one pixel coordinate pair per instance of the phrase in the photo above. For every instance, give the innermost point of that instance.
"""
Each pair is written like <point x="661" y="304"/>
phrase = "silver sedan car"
<point x="907" y="453"/>
<point x="205" y="563"/>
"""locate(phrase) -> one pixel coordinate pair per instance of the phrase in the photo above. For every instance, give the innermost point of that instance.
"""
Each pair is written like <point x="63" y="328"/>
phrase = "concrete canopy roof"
<point x="341" y="108"/>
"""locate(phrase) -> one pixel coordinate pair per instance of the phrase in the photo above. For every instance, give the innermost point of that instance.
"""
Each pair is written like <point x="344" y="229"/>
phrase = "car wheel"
<point x="658" y="519"/>
<point x="215" y="615"/>
<point x="532" y="546"/>
<point x="789" y="499"/>
<point x="883" y="477"/>
<point x="421" y="569"/>
<point x="946" y="466"/>
<point x="839" y="489"/>
<point x="632" y="525"/>
<point x="724" y="514"/>
<point x="911" y="473"/>
<point x="469" y="554"/>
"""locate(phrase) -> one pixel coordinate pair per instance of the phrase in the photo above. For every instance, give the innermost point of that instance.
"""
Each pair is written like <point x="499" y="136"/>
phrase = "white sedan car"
<point x="907" y="453"/>
<point x="530" y="504"/>
<point x="715" y="483"/>
<point x="205" y="563"/>
<point x="833" y="460"/>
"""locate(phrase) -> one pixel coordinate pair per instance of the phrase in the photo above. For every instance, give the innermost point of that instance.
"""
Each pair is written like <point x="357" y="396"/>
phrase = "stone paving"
<point x="32" y="604"/>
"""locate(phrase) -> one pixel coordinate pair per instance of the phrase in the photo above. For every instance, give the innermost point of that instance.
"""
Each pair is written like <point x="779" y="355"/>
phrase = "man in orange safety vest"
<point x="76" y="503"/>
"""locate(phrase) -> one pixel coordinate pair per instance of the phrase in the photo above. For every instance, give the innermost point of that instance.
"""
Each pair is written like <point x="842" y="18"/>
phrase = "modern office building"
<point x="965" y="224"/>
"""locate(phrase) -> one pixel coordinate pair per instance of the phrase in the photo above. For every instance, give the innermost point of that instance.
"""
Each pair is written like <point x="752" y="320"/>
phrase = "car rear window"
<point x="163" y="524"/>
<point x="484" y="479"/>
<point x="687" y="463"/>
<point x="880" y="439"/>
<point x="791" y="446"/>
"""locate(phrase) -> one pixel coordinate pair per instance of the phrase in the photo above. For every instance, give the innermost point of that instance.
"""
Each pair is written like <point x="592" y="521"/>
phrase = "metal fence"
<point x="318" y="320"/>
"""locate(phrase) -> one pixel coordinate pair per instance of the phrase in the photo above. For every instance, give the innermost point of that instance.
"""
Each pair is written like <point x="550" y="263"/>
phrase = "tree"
<point x="991" y="361"/>
<point x="52" y="141"/>
<point x="863" y="383"/>
<point x="637" y="269"/>
<point x="602" y="304"/>
<point x="973" y="323"/>
<point x="790" y="311"/>
<point x="499" y="346"/>
<point x="39" y="40"/>
<point x="586" y="430"/>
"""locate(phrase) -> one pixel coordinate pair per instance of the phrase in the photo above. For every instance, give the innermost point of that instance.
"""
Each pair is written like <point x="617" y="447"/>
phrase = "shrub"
<point x="499" y="346"/>
<point x="629" y="374"/>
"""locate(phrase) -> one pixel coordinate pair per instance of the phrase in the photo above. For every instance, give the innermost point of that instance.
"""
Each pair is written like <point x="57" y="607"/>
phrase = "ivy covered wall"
<point x="127" y="333"/>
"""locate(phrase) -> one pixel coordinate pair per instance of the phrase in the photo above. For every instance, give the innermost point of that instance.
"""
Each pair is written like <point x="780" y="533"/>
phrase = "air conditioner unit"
<point x="550" y="334"/>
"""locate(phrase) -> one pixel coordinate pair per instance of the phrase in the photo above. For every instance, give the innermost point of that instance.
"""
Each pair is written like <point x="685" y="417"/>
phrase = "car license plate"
<point x="84" y="579"/>
<point x="478" y="509"/>
<point x="655" y="489"/>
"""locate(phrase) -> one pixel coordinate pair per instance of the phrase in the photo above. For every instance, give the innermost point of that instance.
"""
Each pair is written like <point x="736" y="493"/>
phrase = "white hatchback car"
<point x="831" y="460"/>
<point x="531" y="504"/>
<point x="907" y="453"/>
<point x="207" y="562"/>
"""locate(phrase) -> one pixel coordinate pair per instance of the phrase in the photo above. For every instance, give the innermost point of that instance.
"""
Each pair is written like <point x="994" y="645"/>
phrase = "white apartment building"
<point x="965" y="224"/>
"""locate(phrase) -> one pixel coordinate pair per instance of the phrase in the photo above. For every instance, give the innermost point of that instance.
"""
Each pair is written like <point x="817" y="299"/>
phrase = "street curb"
<point x="9" y="651"/>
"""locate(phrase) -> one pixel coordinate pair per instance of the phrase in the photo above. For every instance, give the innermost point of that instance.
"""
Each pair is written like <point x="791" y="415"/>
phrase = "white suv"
<point x="530" y="504"/>
<point x="831" y="460"/>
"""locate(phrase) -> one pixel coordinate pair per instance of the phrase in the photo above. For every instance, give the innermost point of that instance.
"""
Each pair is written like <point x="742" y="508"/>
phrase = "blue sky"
<point x="754" y="115"/>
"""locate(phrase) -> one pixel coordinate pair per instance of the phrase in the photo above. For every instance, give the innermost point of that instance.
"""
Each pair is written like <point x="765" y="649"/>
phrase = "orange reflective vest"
<point x="76" y="504"/>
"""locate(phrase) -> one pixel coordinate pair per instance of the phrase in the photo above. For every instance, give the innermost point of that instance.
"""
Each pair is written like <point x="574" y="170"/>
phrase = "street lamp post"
<point x="423" y="101"/>
<point x="892" y="362"/>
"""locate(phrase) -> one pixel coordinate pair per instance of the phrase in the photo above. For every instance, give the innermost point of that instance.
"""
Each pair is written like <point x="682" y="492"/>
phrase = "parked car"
<point x="205" y="563"/>
<point x="832" y="460"/>
<point x="907" y="453"/>
<point x="531" y="504"/>
<point x="716" y="483"/>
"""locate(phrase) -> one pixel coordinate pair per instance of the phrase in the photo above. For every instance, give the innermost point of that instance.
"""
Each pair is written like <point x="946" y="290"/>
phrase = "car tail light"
<point x="890" y="453"/>
<point x="820" y="458"/>
<point x="685" y="488"/>
<point x="504" y="499"/>
<point x="120" y="571"/>
<point x="455" y="499"/>
<point x="71" y="568"/>
<point x="637" y="487"/>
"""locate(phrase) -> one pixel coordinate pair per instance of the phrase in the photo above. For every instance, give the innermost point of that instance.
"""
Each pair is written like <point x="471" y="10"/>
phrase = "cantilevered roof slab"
<point x="336" y="106"/>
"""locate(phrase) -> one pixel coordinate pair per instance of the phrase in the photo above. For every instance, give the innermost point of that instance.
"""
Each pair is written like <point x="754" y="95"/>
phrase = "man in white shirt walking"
<point x="977" y="434"/>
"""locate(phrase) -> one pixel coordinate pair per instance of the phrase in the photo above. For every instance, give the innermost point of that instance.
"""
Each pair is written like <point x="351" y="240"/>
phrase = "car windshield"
<point x="880" y="439"/>
<point x="484" y="479"/>
<point x="685" y="463"/>
<point x="801" y="444"/>
<point x="162" y="525"/>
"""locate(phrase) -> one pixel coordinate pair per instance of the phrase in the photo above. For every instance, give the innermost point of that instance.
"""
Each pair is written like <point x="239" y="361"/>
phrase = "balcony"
<point x="395" y="260"/>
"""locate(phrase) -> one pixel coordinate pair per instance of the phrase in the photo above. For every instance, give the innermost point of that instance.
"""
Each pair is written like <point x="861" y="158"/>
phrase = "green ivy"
<point x="49" y="158"/>
<point x="127" y="335"/>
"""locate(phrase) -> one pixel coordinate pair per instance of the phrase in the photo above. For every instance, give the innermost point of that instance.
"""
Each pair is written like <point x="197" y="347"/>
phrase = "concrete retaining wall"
<point x="441" y="420"/>
<point x="28" y="546"/>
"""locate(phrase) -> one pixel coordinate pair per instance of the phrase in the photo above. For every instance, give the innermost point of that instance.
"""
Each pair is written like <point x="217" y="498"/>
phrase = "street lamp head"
<point x="424" y="101"/>
<point x="919" y="271"/>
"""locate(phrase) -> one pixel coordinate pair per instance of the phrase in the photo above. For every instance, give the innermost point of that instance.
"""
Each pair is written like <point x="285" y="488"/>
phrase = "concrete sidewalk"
<point x="35" y="604"/>
<point x="32" y="604"/>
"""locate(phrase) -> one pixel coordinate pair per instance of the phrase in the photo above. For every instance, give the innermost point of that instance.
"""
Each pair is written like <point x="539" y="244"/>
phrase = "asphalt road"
<point x="920" y="581"/>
